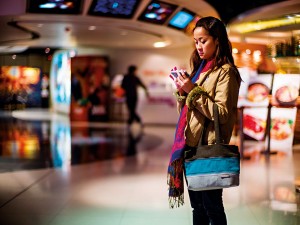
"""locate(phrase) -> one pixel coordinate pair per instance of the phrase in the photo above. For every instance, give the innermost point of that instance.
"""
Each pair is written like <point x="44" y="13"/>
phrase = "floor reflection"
<point x="28" y="144"/>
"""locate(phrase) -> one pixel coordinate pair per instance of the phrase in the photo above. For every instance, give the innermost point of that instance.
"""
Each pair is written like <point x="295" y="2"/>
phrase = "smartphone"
<point x="174" y="73"/>
<point x="186" y="73"/>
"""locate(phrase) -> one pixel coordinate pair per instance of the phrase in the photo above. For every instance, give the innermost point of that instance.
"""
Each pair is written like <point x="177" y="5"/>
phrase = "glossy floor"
<point x="117" y="176"/>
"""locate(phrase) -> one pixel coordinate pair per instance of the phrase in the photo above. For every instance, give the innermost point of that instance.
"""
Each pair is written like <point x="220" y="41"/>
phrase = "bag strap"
<point x="216" y="124"/>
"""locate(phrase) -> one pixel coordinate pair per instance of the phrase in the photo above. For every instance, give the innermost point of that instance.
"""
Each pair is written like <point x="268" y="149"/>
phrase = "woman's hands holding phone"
<point x="181" y="80"/>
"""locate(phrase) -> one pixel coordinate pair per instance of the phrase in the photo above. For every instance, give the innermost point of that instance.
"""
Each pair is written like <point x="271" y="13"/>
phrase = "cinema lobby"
<point x="67" y="153"/>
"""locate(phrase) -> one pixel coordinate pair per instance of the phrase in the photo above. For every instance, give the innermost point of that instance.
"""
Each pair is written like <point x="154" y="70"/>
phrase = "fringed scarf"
<point x="175" y="168"/>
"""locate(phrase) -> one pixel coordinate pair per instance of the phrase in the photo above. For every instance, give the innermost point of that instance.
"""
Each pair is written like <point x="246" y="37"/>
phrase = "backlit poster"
<point x="90" y="85"/>
<point x="282" y="129"/>
<point x="60" y="82"/>
<point x="285" y="89"/>
<point x="255" y="120"/>
<point x="257" y="91"/>
<point x="20" y="87"/>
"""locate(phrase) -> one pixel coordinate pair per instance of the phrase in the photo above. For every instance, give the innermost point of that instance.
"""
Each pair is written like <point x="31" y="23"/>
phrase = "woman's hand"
<point x="174" y="74"/>
<point x="183" y="82"/>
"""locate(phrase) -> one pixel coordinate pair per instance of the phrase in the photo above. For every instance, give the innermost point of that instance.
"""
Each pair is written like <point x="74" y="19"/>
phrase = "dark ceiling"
<point x="229" y="9"/>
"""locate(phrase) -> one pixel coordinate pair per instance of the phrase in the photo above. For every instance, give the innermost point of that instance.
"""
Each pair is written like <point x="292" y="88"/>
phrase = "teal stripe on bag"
<point x="212" y="165"/>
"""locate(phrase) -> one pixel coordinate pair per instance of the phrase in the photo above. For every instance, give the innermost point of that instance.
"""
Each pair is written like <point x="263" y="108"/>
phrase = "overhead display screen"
<point x="54" y="6"/>
<point x="157" y="12"/>
<point x="114" y="8"/>
<point x="190" y="27"/>
<point x="181" y="19"/>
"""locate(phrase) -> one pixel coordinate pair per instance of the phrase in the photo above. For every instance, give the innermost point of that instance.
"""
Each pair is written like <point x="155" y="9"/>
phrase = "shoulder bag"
<point x="214" y="166"/>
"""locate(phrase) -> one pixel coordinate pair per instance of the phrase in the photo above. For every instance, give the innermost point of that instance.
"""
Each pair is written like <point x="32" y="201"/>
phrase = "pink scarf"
<point x="175" y="168"/>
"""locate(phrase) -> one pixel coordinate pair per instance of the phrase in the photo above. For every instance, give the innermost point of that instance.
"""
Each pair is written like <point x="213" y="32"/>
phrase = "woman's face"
<point x="206" y="45"/>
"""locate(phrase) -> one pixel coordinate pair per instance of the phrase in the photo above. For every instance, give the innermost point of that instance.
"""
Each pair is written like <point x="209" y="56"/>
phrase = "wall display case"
<point x="287" y="65"/>
<point x="287" y="48"/>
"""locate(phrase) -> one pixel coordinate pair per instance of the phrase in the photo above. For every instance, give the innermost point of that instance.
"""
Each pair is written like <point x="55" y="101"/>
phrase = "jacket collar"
<point x="203" y="77"/>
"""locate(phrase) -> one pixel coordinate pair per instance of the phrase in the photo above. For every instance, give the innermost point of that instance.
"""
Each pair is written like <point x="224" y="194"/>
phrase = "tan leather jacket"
<point x="222" y="86"/>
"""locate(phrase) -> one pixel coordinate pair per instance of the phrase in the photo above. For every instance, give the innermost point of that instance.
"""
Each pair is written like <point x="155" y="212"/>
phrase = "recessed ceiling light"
<point x="235" y="50"/>
<point x="248" y="51"/>
<point x="72" y="53"/>
<point x="160" y="44"/>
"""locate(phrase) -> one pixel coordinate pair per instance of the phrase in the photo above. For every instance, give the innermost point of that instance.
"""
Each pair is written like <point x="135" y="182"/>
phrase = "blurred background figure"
<point x="130" y="84"/>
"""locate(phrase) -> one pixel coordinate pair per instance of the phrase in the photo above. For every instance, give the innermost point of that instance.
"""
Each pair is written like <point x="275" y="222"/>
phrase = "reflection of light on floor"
<point x="79" y="140"/>
<point x="283" y="206"/>
<point x="26" y="147"/>
<point x="283" y="197"/>
<point x="115" y="192"/>
<point x="136" y="130"/>
<point x="33" y="114"/>
<point x="61" y="143"/>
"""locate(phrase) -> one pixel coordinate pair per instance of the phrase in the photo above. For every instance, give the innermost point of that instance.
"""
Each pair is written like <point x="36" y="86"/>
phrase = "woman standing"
<point x="214" y="79"/>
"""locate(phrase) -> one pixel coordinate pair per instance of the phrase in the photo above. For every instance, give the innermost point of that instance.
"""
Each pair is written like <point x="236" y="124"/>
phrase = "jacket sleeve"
<point x="224" y="93"/>
<point x="227" y="93"/>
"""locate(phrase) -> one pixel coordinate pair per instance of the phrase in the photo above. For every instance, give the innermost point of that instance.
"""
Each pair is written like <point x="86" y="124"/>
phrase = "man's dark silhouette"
<point x="130" y="85"/>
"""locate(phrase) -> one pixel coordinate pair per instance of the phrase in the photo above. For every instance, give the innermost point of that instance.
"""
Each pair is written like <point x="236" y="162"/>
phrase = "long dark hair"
<point x="217" y="30"/>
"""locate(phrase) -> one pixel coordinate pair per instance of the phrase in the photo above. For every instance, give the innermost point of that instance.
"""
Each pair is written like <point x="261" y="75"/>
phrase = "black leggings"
<point x="208" y="207"/>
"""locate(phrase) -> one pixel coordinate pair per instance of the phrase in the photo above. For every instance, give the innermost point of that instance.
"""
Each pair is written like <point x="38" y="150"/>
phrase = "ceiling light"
<point x="160" y="44"/>
<point x="92" y="27"/>
<point x="248" y="51"/>
<point x="47" y="50"/>
<point x="72" y="53"/>
<point x="257" y="52"/>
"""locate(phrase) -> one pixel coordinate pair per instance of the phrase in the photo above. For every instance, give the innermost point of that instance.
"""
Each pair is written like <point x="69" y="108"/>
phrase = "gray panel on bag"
<point x="212" y="181"/>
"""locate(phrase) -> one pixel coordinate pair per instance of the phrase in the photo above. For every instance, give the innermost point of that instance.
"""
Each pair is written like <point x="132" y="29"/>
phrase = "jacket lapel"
<point x="203" y="77"/>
